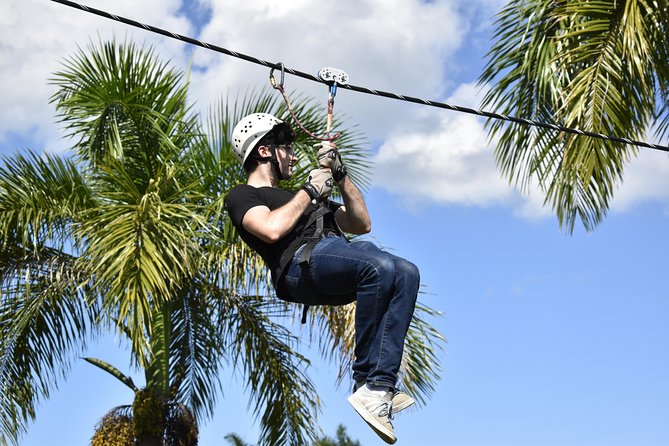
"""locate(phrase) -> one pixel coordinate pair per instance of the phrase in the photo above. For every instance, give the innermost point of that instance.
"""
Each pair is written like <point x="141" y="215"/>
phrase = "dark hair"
<point x="280" y="134"/>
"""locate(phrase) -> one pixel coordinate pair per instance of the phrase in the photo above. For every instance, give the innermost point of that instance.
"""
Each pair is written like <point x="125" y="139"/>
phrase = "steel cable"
<point x="359" y="89"/>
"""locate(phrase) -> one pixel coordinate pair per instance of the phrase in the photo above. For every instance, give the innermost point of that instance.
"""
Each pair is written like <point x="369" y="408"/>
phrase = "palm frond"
<point x="236" y="440"/>
<point x="659" y="28"/>
<point x="421" y="365"/>
<point x="281" y="392"/>
<point x="45" y="321"/>
<point x="521" y="62"/>
<point x="142" y="243"/>
<point x="196" y="351"/>
<point x="116" y="373"/>
<point x="46" y="309"/>
<point x="39" y="196"/>
<point x="334" y="329"/>
<point x="591" y="65"/>
<point x="120" y="101"/>
<point x="157" y="369"/>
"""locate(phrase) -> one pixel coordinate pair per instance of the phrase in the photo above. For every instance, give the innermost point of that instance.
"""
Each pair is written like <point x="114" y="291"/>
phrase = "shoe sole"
<point x="380" y="430"/>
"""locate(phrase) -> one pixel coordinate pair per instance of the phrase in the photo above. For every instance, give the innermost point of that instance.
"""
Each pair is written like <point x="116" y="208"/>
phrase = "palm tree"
<point x="342" y="439"/>
<point x="175" y="426"/>
<point x="129" y="235"/>
<point x="599" y="66"/>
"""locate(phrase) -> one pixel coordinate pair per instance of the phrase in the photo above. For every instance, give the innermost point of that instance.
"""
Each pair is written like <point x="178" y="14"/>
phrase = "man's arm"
<point x="353" y="217"/>
<point x="270" y="226"/>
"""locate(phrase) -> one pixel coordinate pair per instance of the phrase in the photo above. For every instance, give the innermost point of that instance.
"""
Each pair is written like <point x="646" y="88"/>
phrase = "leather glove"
<point x="319" y="185"/>
<point x="328" y="156"/>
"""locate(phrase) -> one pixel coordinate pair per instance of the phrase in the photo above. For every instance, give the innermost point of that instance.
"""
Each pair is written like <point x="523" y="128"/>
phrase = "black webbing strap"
<point x="305" y="255"/>
<point x="287" y="256"/>
<point x="305" y="310"/>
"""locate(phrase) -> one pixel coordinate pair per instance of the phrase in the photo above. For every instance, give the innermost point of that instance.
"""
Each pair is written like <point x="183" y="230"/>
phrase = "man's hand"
<point x="319" y="185"/>
<point x="328" y="157"/>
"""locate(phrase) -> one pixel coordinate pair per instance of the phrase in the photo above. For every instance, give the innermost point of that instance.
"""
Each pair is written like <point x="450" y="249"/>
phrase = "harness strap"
<point x="308" y="249"/>
<point x="306" y="255"/>
<point x="305" y="310"/>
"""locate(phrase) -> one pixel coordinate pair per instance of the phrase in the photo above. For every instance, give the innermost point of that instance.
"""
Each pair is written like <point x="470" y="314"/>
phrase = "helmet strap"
<point x="275" y="163"/>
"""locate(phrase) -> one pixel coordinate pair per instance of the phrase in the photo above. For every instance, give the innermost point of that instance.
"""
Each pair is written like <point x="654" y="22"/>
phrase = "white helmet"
<point x="249" y="130"/>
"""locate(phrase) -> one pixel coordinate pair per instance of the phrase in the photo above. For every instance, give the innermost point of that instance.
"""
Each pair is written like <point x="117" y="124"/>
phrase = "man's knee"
<point x="385" y="267"/>
<point x="365" y="245"/>
<point x="408" y="269"/>
<point x="380" y="269"/>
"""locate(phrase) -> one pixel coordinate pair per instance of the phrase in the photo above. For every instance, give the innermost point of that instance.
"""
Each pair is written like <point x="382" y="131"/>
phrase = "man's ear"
<point x="264" y="151"/>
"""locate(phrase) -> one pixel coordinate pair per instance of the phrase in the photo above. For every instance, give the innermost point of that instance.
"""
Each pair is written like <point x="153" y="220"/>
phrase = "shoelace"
<point x="384" y="410"/>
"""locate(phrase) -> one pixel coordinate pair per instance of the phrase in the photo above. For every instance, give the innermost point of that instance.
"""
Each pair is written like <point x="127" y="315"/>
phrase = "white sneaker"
<point x="375" y="408"/>
<point x="401" y="400"/>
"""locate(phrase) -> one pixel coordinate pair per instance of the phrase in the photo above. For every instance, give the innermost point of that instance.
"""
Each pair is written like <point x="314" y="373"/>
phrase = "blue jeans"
<point x="385" y="288"/>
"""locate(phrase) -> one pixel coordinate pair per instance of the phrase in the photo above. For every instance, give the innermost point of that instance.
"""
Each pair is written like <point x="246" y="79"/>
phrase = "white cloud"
<point x="402" y="46"/>
<point x="646" y="178"/>
<point x="447" y="159"/>
<point x="394" y="45"/>
<point x="450" y="164"/>
<point x="38" y="35"/>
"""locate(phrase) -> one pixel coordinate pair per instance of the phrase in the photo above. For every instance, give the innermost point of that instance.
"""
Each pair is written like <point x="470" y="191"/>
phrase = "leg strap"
<point x="304" y="265"/>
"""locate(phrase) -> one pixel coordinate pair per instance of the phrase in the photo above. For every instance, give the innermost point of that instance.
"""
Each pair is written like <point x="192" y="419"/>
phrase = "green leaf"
<point x="116" y="373"/>
<point x="590" y="65"/>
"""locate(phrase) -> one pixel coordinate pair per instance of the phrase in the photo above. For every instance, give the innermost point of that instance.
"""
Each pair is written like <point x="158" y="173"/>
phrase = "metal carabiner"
<point x="272" y="80"/>
<point x="333" y="91"/>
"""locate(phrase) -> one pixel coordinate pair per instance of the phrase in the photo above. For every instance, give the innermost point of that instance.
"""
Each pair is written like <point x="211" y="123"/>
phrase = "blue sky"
<point x="552" y="339"/>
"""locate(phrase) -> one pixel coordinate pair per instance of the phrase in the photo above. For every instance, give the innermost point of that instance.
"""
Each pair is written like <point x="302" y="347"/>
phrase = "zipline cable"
<point x="278" y="66"/>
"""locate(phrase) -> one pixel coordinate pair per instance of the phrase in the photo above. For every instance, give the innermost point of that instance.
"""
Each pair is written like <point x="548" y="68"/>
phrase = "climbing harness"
<point x="309" y="246"/>
<point x="316" y="218"/>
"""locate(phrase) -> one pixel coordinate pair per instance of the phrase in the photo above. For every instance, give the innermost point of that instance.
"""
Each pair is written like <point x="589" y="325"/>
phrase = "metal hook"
<point x="272" y="80"/>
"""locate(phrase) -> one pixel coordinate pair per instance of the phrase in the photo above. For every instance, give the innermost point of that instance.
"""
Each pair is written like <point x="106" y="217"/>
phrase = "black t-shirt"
<point x="243" y="197"/>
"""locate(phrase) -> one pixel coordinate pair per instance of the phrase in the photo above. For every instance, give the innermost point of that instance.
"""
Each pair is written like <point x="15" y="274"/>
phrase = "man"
<point x="299" y="236"/>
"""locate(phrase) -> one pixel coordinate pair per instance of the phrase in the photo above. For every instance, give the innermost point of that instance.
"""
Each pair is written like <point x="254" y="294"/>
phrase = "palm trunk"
<point x="149" y="441"/>
<point x="149" y="413"/>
